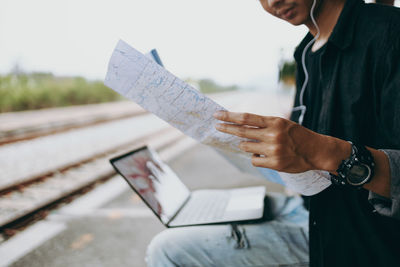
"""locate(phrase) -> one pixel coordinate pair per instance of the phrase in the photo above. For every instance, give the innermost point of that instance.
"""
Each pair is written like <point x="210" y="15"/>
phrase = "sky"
<point x="230" y="41"/>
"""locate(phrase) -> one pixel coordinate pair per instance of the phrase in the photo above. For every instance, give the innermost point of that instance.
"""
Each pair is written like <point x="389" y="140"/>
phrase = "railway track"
<point x="34" y="179"/>
<point x="22" y="200"/>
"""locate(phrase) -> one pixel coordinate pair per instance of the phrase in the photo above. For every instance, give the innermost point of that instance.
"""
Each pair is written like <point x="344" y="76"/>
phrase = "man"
<point x="352" y="94"/>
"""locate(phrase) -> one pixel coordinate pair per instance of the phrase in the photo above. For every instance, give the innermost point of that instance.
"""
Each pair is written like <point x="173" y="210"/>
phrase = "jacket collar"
<point x="343" y="32"/>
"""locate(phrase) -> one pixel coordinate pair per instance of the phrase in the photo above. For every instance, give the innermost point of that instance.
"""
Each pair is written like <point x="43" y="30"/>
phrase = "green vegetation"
<point x="287" y="72"/>
<point x="43" y="90"/>
<point x="22" y="91"/>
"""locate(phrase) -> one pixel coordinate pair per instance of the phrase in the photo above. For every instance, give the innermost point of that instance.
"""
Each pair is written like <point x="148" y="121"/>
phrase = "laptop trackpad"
<point x="240" y="203"/>
<point x="245" y="203"/>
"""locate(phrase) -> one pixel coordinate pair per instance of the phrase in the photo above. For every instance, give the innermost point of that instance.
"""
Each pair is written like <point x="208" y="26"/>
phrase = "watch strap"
<point x="359" y="155"/>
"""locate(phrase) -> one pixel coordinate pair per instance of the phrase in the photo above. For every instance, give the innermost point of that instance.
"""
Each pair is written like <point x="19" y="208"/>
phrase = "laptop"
<point x="174" y="204"/>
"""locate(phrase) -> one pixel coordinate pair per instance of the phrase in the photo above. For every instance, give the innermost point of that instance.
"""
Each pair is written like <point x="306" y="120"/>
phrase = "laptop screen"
<point x="153" y="180"/>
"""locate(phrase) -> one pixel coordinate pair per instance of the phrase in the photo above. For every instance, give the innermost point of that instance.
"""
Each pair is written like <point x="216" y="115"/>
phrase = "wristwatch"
<point x="356" y="170"/>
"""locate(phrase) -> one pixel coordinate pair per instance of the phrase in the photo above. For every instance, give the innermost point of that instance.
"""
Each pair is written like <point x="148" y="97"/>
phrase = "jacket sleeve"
<point x="385" y="206"/>
<point x="389" y="117"/>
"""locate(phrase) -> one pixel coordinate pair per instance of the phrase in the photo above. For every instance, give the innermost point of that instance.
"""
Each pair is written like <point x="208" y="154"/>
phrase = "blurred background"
<point x="52" y="49"/>
<point x="61" y="203"/>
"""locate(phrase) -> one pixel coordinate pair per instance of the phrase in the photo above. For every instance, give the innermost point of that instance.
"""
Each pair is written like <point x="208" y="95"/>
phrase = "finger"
<point x="257" y="148"/>
<point x="239" y="130"/>
<point x="260" y="161"/>
<point x="243" y="118"/>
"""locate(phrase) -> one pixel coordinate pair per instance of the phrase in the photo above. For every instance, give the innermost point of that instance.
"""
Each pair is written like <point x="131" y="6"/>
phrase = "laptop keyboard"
<point x="208" y="207"/>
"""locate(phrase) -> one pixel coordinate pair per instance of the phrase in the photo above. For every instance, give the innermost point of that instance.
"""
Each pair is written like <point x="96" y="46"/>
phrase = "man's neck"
<point x="326" y="16"/>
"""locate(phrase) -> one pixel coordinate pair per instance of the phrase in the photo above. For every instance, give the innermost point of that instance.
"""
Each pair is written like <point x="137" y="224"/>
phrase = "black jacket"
<point x="360" y="101"/>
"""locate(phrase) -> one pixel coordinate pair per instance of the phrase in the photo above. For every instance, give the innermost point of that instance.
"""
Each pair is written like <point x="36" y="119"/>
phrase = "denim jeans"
<point x="280" y="241"/>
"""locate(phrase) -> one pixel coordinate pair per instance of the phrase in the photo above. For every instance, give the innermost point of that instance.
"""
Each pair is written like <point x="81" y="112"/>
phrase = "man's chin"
<point x="295" y="23"/>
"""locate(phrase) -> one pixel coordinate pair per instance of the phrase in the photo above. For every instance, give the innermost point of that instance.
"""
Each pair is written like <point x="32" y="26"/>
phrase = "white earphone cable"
<point x="302" y="107"/>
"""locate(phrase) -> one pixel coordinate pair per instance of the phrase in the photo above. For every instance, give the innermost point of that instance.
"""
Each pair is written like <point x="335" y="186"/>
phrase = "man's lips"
<point x="286" y="13"/>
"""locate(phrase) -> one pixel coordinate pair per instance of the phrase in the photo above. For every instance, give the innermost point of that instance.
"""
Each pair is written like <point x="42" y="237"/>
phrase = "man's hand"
<point x="281" y="144"/>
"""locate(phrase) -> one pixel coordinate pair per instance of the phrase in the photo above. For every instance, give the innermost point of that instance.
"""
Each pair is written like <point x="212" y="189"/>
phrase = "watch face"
<point x="358" y="174"/>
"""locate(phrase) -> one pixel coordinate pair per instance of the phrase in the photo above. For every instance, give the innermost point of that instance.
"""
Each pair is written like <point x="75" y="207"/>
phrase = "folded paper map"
<point x="141" y="79"/>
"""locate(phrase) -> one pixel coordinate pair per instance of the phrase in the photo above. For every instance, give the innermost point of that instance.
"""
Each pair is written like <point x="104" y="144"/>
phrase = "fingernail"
<point x="218" y="126"/>
<point x="219" y="114"/>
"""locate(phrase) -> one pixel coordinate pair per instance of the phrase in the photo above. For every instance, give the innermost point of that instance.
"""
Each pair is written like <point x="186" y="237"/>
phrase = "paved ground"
<point x="112" y="227"/>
